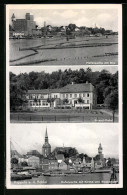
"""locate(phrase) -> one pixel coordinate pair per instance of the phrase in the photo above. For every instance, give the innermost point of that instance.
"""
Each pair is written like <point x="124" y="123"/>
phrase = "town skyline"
<point x="33" y="139"/>
<point x="80" y="17"/>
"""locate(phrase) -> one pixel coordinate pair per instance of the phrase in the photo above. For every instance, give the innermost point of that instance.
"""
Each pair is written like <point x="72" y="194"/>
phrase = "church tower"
<point x="13" y="19"/>
<point x="100" y="152"/>
<point x="46" y="148"/>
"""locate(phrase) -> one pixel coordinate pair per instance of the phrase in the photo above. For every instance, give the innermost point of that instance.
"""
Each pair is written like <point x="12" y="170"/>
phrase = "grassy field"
<point x="62" y="116"/>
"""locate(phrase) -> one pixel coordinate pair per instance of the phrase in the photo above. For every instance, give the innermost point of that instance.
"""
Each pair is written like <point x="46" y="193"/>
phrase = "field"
<point x="62" y="116"/>
<point x="58" y="51"/>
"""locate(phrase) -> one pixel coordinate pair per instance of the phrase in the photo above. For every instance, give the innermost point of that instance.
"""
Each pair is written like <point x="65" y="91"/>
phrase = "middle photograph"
<point x="50" y="94"/>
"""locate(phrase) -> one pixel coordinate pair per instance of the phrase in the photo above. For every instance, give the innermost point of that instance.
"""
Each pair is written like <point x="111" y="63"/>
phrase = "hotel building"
<point x="70" y="96"/>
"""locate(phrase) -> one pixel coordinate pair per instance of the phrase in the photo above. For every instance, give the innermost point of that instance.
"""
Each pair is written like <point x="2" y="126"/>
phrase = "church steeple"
<point x="46" y="136"/>
<point x="13" y="17"/>
<point x="100" y="151"/>
<point x="46" y="148"/>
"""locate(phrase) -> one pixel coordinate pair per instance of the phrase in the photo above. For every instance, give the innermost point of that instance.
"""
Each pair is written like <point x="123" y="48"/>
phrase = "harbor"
<point x="100" y="178"/>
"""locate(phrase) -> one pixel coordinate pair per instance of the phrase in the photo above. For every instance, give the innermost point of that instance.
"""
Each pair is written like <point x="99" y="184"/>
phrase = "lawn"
<point x="62" y="116"/>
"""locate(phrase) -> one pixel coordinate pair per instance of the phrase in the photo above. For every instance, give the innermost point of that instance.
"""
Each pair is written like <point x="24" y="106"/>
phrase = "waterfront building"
<point x="34" y="161"/>
<point x="46" y="148"/>
<point x="53" y="164"/>
<point x="99" y="159"/>
<point x="60" y="158"/>
<point x="100" y="149"/>
<point x="81" y="95"/>
<point x="33" y="153"/>
<point x="63" y="166"/>
<point x="23" y="27"/>
<point x="45" y="164"/>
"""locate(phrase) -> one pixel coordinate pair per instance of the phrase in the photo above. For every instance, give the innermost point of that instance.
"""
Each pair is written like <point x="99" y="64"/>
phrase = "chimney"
<point x="86" y="82"/>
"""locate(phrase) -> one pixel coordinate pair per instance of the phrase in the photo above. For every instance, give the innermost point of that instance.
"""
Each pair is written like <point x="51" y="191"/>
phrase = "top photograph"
<point x="63" y="34"/>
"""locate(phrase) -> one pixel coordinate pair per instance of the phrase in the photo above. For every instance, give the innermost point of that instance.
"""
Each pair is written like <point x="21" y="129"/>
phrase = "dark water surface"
<point x="91" y="178"/>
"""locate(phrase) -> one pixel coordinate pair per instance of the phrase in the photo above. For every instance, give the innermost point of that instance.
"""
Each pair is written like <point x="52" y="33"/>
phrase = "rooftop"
<point x="70" y="88"/>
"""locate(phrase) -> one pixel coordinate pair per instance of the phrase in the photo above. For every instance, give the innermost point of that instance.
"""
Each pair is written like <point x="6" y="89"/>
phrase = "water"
<point x="91" y="178"/>
<point x="69" y="56"/>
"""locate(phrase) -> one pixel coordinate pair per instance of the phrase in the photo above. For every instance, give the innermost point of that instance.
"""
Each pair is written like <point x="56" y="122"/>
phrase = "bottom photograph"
<point x="64" y="156"/>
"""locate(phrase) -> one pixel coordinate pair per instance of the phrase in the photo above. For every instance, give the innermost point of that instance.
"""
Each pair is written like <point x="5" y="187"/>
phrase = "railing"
<point x="33" y="117"/>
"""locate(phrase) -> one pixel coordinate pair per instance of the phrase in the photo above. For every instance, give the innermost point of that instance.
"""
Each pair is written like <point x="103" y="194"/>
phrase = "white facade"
<point x="83" y="99"/>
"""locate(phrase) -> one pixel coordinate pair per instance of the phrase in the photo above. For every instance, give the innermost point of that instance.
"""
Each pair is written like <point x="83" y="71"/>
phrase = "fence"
<point x="16" y="117"/>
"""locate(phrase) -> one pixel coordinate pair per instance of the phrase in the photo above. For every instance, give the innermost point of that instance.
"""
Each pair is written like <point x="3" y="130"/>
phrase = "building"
<point x="60" y="158"/>
<point x="23" y="27"/>
<point x="45" y="164"/>
<point x="99" y="159"/>
<point x="34" y="161"/>
<point x="100" y="149"/>
<point x="33" y="153"/>
<point x="63" y="166"/>
<point x="46" y="148"/>
<point x="53" y="164"/>
<point x="81" y="95"/>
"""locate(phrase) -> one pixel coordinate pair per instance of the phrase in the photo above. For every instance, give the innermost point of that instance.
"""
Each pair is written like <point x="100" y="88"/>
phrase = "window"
<point x="70" y="95"/>
<point x="87" y="101"/>
<point x="87" y="94"/>
<point x="63" y="95"/>
<point x="75" y="95"/>
<point x="83" y="94"/>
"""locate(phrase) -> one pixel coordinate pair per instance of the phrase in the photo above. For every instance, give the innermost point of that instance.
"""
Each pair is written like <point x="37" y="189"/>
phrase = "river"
<point x="67" y="56"/>
<point x="91" y="178"/>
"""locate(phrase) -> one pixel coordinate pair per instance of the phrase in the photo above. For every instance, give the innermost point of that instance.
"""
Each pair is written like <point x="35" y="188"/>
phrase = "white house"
<point x="81" y="95"/>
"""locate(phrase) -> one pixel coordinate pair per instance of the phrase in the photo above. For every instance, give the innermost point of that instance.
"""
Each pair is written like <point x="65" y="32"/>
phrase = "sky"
<point x="84" y="137"/>
<point x="106" y="18"/>
<point x="50" y="69"/>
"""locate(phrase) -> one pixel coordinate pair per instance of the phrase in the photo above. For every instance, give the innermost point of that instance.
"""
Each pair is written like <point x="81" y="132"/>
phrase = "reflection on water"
<point x="91" y="178"/>
<point x="65" y="56"/>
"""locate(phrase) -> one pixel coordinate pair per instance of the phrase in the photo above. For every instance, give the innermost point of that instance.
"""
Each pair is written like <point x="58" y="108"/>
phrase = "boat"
<point x="15" y="177"/>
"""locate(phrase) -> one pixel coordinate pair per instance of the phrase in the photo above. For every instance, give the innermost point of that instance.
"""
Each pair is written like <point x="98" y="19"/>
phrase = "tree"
<point x="24" y="163"/>
<point x="50" y="100"/>
<point x="72" y="152"/>
<point x="17" y="95"/>
<point x="72" y="27"/>
<point x="101" y="83"/>
<point x="14" y="161"/>
<point x="35" y="101"/>
<point x="65" y="101"/>
<point x="111" y="101"/>
<point x="80" y="101"/>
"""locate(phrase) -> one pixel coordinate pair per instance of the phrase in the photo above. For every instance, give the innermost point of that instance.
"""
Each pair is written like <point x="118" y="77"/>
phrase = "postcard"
<point x="64" y="96"/>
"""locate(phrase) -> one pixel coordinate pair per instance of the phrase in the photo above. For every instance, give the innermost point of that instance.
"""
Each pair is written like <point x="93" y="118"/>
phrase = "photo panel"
<point x="83" y="34"/>
<point x="74" y="94"/>
<point x="64" y="156"/>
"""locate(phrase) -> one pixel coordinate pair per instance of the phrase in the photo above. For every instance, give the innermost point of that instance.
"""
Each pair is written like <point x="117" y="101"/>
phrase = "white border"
<point x="64" y="6"/>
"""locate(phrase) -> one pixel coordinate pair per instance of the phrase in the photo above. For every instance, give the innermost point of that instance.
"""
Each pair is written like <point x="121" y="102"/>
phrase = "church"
<point x="46" y="148"/>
